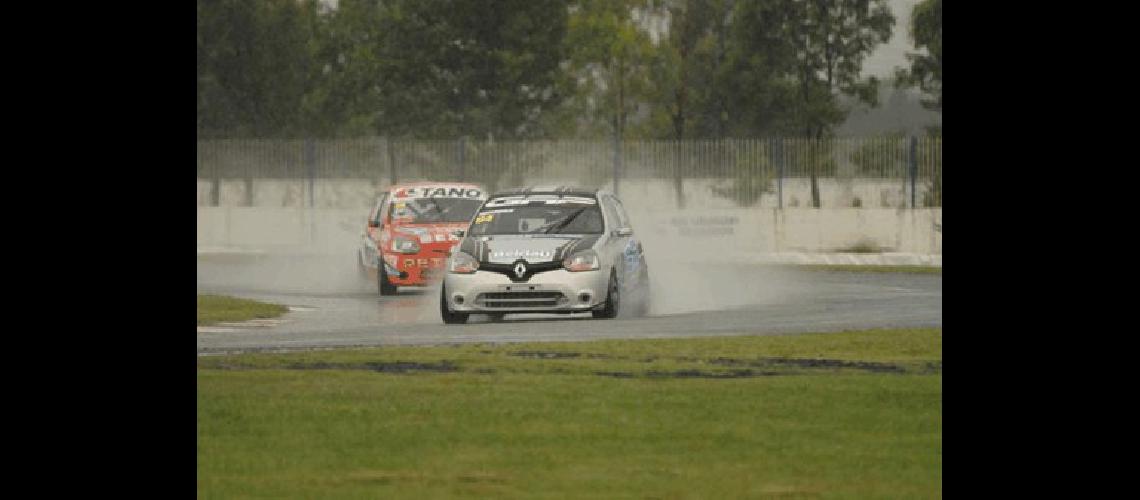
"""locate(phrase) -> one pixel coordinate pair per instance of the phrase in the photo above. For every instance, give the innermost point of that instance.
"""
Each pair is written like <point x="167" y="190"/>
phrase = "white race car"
<point x="548" y="250"/>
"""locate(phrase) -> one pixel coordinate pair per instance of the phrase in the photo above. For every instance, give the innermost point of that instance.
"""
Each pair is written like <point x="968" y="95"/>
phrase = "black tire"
<point x="451" y="318"/>
<point x="384" y="286"/>
<point x="613" y="301"/>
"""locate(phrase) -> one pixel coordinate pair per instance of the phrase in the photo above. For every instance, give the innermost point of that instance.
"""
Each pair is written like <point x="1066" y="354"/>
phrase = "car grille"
<point x="509" y="269"/>
<point x="519" y="299"/>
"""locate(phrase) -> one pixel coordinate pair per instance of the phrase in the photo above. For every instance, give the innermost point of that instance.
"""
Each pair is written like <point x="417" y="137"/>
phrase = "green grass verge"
<point x="214" y="309"/>
<point x="872" y="269"/>
<point x="853" y="414"/>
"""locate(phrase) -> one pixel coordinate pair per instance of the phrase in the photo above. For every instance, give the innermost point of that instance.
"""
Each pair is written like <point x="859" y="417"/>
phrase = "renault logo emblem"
<point x="520" y="269"/>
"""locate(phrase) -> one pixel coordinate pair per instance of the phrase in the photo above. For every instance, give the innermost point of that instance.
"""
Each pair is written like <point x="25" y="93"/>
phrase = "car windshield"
<point x="429" y="210"/>
<point x="566" y="218"/>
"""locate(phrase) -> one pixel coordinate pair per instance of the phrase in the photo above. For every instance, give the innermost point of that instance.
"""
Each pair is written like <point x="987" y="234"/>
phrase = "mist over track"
<point x="335" y="307"/>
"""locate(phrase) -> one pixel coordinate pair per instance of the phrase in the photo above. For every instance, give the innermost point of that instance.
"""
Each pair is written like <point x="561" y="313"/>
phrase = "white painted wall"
<point x="655" y="193"/>
<point x="755" y="230"/>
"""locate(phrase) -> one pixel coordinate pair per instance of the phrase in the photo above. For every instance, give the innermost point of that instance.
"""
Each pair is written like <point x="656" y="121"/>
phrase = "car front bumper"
<point x="551" y="291"/>
<point x="421" y="269"/>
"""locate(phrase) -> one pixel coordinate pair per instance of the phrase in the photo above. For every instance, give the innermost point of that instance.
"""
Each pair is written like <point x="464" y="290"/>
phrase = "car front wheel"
<point x="385" y="287"/>
<point x="451" y="318"/>
<point x="613" y="301"/>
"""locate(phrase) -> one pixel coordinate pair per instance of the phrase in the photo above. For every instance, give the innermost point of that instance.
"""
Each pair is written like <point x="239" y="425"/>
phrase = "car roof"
<point x="404" y="185"/>
<point x="560" y="190"/>
<point x="395" y="190"/>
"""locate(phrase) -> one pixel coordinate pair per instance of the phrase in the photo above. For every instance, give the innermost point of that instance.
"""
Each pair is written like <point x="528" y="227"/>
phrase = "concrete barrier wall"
<point x="758" y="230"/>
<point x="845" y="229"/>
<point x="657" y="193"/>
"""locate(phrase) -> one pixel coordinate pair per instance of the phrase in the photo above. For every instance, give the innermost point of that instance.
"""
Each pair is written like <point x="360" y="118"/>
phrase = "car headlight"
<point x="405" y="245"/>
<point x="586" y="260"/>
<point x="461" y="263"/>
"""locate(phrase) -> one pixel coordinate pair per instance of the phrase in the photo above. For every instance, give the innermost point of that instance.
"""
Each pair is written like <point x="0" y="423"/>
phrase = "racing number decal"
<point x="631" y="257"/>
<point x="484" y="218"/>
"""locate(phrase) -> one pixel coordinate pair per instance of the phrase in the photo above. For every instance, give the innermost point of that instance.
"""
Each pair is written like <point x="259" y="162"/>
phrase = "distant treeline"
<point x="542" y="69"/>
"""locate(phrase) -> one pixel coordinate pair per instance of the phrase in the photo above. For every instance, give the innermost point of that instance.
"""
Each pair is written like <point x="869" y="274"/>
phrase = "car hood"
<point x="506" y="249"/>
<point x="431" y="233"/>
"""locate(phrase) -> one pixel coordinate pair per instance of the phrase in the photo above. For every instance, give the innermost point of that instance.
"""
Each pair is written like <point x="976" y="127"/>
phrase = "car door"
<point x="630" y="249"/>
<point x="615" y="243"/>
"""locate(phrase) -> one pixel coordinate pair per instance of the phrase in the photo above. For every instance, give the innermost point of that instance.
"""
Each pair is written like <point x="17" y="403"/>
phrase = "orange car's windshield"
<point x="429" y="210"/>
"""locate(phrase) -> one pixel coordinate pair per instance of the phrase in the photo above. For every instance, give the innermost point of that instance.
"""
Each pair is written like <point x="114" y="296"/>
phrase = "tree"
<point x="813" y="50"/>
<point x="417" y="68"/>
<point x="926" y="69"/>
<point x="254" y="66"/>
<point x="447" y="68"/>
<point x="690" y="21"/>
<point x="345" y="97"/>
<point x="467" y="68"/>
<point x="715" y="81"/>
<point x="609" y="61"/>
<point x="678" y="77"/>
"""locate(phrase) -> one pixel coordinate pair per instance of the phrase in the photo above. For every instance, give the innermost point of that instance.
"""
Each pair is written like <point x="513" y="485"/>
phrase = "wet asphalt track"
<point x="334" y="307"/>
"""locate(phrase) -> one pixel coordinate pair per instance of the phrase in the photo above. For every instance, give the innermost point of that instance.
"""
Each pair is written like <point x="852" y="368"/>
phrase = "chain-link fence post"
<point x="212" y="168"/>
<point x="248" y="185"/>
<point x="311" y="168"/>
<point x="311" y="172"/>
<point x="678" y="173"/>
<point x="778" y="152"/>
<point x="913" y="168"/>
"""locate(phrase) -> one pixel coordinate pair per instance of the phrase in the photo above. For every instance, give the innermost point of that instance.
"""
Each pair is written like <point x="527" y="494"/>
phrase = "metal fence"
<point x="901" y="172"/>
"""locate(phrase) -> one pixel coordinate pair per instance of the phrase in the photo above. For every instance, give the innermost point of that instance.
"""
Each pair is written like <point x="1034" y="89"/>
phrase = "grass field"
<point x="214" y="309"/>
<point x="854" y="414"/>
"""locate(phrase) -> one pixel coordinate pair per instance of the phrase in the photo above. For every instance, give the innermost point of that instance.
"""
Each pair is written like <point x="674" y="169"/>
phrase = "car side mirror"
<point x="459" y="233"/>
<point x="625" y="231"/>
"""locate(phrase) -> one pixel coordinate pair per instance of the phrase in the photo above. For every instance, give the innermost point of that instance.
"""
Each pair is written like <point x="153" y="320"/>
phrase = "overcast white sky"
<point x="882" y="62"/>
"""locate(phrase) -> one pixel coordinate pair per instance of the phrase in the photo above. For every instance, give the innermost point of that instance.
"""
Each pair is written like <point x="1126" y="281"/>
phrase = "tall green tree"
<point x="446" y="68"/>
<point x="379" y="61"/>
<point x="705" y="83"/>
<point x="810" y="52"/>
<point x="415" y="68"/>
<point x="831" y="38"/>
<point x="255" y="62"/>
<point x="687" y="100"/>
<point x="837" y="36"/>
<point x="514" y="52"/>
<point x="344" y="99"/>
<point x="689" y="25"/>
<point x="926" y="67"/>
<point x="609" y="61"/>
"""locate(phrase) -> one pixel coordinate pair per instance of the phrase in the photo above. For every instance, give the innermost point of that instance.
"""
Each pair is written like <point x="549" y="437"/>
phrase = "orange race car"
<point x="411" y="231"/>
